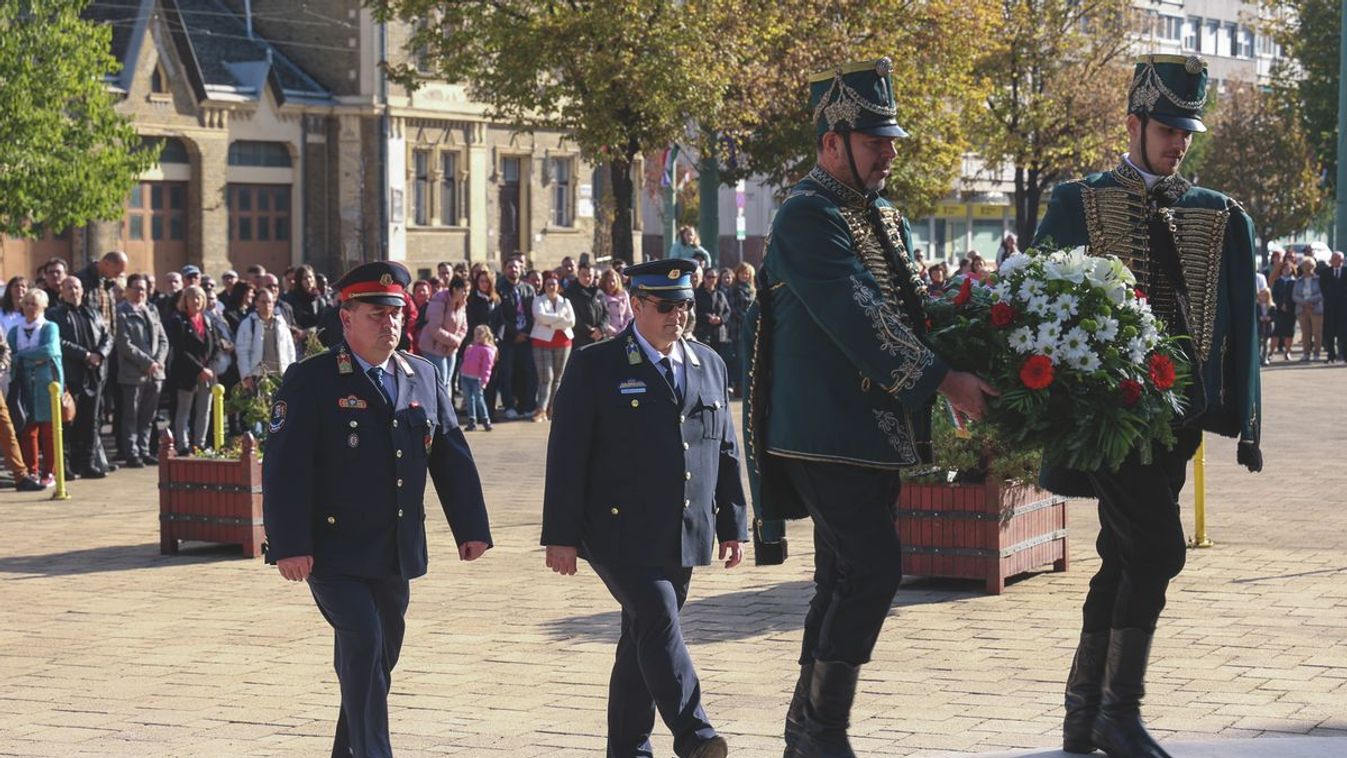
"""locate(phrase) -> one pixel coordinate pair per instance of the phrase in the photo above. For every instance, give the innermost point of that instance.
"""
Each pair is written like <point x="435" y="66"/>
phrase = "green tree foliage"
<point x="620" y="76"/>
<point x="1260" y="154"/>
<point x="934" y="46"/>
<point x="1060" y="70"/>
<point x="65" y="156"/>
<point x="1308" y="32"/>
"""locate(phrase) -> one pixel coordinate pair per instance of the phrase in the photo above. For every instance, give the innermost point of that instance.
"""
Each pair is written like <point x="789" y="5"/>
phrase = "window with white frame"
<point x="562" y="210"/>
<point x="1192" y="34"/>
<point x="1245" y="42"/>
<point x="1169" y="28"/>
<point x="1211" y="38"/>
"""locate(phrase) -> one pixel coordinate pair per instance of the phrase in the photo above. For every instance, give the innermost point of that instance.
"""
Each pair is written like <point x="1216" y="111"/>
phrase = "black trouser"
<point x="1141" y="545"/>
<point x="652" y="668"/>
<point x="514" y="378"/>
<point x="366" y="618"/>
<point x="86" y="446"/>
<point x="857" y="559"/>
<point x="1335" y="330"/>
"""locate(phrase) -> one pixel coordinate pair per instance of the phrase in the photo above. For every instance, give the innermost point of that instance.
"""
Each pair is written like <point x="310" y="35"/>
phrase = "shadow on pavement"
<point x="749" y="613"/>
<point x="114" y="558"/>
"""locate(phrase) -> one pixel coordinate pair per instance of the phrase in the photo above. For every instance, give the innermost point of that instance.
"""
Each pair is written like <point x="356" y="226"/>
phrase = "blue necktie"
<point x="377" y="375"/>
<point x="670" y="377"/>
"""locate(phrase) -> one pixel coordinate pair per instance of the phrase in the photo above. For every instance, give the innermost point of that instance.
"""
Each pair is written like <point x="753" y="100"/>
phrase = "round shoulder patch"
<point x="278" y="416"/>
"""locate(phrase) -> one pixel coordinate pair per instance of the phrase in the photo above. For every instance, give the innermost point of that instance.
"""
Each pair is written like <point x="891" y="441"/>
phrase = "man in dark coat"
<point x="587" y="301"/>
<point x="514" y="377"/>
<point x="1333" y="283"/>
<point x="354" y="431"/>
<point x="86" y="344"/>
<point x="1191" y="249"/>
<point x="642" y="480"/>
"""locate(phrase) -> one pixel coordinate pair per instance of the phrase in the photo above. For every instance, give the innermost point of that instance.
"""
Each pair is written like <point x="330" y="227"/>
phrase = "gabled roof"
<point x="221" y="60"/>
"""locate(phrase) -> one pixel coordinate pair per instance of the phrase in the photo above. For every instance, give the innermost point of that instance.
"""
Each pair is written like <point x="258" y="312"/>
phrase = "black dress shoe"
<point x="149" y="460"/>
<point x="95" y="474"/>
<point x="134" y="463"/>
<point x="71" y="475"/>
<point x="111" y="467"/>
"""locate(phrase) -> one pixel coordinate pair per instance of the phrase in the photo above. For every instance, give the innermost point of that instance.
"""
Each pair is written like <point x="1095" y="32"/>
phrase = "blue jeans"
<point x="444" y="367"/>
<point x="474" y="403"/>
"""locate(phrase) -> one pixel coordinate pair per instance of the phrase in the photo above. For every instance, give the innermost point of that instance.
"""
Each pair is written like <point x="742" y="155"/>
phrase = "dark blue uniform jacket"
<point x="632" y="477"/>
<point x="344" y="475"/>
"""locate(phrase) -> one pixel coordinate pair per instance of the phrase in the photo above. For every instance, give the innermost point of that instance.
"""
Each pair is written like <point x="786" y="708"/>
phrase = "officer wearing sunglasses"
<point x="642" y="481"/>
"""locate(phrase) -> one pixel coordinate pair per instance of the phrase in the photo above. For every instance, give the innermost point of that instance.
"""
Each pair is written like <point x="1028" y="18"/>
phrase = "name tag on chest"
<point x="632" y="387"/>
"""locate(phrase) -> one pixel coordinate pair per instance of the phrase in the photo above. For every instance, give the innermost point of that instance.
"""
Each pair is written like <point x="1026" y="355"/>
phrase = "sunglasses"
<point x="667" y="306"/>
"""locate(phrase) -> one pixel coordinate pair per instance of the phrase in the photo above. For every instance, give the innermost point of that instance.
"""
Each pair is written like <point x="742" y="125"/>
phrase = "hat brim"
<point x="380" y="299"/>
<point x="884" y="130"/>
<point x="678" y="294"/>
<point x="1187" y="123"/>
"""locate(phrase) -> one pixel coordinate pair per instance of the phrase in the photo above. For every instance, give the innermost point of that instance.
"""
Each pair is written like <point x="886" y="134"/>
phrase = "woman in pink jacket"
<point x="446" y="326"/>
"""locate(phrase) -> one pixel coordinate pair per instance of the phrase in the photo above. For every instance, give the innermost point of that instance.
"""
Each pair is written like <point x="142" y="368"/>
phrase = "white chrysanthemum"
<point x="1049" y="338"/>
<point x="1137" y="350"/>
<point x="1065" y="306"/>
<point x="1039" y="306"/>
<point x="1107" y="329"/>
<point x="1022" y="340"/>
<point x="1001" y="292"/>
<point x="1031" y="288"/>
<point x="1014" y="264"/>
<point x="1085" y="360"/>
<point x="1075" y="341"/>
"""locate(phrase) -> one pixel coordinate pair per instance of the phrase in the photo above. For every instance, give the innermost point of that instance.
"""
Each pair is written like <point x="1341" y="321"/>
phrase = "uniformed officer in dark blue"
<point x="354" y="430"/>
<point x="642" y="479"/>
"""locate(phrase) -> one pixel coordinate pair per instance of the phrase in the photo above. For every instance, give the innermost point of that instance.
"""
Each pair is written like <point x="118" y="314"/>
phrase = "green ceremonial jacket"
<point x="1112" y="213"/>
<point x="836" y="367"/>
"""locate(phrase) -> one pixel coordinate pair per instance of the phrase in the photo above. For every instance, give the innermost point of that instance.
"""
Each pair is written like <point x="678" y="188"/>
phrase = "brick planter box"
<point x="980" y="531"/>
<point x="210" y="500"/>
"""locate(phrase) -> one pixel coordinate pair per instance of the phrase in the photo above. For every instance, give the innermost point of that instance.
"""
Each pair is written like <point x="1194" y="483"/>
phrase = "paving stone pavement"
<point x="109" y="649"/>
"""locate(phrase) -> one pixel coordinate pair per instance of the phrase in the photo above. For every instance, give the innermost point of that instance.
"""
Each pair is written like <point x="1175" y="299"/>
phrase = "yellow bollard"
<point x="1200" y="497"/>
<point x="217" y="415"/>
<point x="57" y="442"/>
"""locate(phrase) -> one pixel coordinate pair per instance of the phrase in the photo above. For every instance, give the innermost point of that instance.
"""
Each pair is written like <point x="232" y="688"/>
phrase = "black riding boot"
<point x="1118" y="730"/>
<point x="1082" y="692"/>
<point x="827" y="712"/>
<point x="795" y="713"/>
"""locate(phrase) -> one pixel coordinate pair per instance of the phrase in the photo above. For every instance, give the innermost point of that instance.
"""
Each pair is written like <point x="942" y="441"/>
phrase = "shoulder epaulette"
<point x="322" y="352"/>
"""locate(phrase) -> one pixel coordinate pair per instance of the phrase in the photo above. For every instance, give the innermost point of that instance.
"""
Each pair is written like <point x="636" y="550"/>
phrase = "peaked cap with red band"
<point x="376" y="283"/>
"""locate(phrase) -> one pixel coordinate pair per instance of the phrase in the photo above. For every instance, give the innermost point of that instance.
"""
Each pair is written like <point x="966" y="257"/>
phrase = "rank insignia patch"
<point x="631" y="387"/>
<point x="278" y="416"/>
<point x="352" y="402"/>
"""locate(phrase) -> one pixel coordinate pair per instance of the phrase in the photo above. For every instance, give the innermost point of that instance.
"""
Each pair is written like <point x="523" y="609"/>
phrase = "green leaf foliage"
<point x="66" y="157"/>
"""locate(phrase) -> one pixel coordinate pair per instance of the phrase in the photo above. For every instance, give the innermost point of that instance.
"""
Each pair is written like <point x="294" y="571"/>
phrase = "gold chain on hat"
<point x="1147" y="87"/>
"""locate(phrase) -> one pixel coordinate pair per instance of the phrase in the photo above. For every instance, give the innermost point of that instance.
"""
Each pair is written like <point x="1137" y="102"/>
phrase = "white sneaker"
<point x="512" y="414"/>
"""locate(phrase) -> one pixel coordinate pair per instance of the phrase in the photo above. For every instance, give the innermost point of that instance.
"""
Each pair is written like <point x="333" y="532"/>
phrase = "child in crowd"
<point x="478" y="360"/>
<point x="1265" y="311"/>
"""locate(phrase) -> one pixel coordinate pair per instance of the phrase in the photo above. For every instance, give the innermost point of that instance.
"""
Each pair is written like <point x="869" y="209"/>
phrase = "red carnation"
<point x="1161" y="372"/>
<point x="1139" y="293"/>
<point x="1002" y="315"/>
<point x="965" y="292"/>
<point x="1130" y="389"/>
<point x="1036" y="373"/>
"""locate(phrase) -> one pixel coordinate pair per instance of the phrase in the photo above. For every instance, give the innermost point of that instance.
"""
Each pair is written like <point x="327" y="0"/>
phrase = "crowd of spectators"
<point x="135" y="356"/>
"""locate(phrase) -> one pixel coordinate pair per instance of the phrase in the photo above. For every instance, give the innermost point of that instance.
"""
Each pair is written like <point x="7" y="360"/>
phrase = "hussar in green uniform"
<point x="1191" y="250"/>
<point x="841" y="382"/>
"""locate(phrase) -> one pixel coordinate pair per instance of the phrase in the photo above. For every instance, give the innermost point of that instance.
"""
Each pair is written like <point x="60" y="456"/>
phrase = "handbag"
<point x="67" y="407"/>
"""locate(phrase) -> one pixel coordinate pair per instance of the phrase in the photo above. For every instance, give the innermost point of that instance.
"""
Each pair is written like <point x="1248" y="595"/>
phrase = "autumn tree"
<point x="935" y="87"/>
<point x="1308" y="32"/>
<point x="1260" y="154"/>
<point x="621" y="77"/>
<point x="66" y="157"/>
<point x="1060" y="70"/>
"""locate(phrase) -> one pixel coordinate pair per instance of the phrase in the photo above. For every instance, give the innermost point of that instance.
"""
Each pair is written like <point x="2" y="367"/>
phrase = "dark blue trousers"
<point x="652" y="669"/>
<point x="857" y="559"/>
<point x="366" y="617"/>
